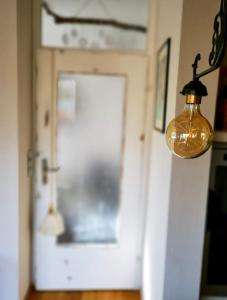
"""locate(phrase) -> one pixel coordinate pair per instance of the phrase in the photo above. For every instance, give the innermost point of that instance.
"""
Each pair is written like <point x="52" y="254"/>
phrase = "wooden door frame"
<point x="148" y="104"/>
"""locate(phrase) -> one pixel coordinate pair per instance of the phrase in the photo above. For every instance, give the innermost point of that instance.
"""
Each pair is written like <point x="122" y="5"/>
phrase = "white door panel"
<point x="98" y="188"/>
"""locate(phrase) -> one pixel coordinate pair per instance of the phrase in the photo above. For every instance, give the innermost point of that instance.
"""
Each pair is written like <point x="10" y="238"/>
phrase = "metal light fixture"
<point x="190" y="135"/>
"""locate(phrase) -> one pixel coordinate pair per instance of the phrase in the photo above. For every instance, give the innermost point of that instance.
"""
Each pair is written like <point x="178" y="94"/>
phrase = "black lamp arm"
<point x="218" y="42"/>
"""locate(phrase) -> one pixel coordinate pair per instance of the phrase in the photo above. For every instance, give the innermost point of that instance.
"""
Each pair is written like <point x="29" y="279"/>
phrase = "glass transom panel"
<point x="82" y="35"/>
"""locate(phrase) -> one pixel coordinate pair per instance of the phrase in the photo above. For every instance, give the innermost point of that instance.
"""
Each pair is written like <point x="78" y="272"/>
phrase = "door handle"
<point x="46" y="169"/>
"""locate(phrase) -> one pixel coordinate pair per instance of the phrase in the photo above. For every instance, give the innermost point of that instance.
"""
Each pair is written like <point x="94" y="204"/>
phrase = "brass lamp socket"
<point x="193" y="99"/>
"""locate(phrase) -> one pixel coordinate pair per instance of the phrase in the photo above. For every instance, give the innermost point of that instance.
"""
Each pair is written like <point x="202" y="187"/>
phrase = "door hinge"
<point x="142" y="137"/>
<point x="31" y="156"/>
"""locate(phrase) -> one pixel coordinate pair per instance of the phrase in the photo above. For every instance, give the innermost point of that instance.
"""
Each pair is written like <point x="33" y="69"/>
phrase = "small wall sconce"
<point x="190" y="135"/>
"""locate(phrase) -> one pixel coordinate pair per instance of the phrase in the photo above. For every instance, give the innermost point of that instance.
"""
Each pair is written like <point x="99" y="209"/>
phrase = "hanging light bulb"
<point x="53" y="223"/>
<point x="190" y="134"/>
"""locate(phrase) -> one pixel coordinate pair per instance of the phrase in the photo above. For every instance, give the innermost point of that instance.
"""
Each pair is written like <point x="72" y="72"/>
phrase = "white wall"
<point x="178" y="188"/>
<point x="14" y="115"/>
<point x="9" y="185"/>
<point x="168" y="24"/>
<point x="189" y="178"/>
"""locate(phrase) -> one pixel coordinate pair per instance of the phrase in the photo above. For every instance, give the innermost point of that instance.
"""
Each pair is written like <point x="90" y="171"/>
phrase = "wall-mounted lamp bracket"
<point x="195" y="87"/>
<point x="31" y="156"/>
<point x="194" y="140"/>
<point x="218" y="43"/>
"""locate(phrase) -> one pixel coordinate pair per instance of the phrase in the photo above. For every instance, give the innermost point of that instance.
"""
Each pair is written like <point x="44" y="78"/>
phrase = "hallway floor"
<point x="84" y="295"/>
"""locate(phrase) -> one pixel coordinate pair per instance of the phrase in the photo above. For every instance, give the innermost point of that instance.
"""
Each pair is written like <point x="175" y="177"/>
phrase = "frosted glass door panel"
<point x="90" y="129"/>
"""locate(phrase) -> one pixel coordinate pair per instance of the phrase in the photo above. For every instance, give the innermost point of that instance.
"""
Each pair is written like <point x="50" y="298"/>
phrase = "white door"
<point x="90" y="122"/>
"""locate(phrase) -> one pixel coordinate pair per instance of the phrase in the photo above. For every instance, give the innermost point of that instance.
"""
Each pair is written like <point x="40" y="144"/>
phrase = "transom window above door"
<point x="95" y="24"/>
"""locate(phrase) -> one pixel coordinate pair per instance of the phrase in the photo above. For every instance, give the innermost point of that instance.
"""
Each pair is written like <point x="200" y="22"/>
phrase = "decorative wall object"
<point x="94" y="24"/>
<point x="162" y="86"/>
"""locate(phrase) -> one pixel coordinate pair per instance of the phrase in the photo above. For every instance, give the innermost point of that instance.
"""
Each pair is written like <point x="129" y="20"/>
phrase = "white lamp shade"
<point x="53" y="223"/>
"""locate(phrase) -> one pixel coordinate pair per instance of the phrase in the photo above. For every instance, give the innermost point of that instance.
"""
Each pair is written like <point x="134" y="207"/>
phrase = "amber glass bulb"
<point x="189" y="135"/>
